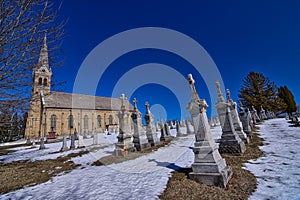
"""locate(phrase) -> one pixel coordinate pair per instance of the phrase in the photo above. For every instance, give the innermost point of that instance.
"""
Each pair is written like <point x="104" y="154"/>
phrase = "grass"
<point x="16" y="175"/>
<point x="107" y="160"/>
<point x="241" y="186"/>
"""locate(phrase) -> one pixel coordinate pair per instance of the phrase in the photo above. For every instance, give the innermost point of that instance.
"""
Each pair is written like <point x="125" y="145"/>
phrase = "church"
<point x="60" y="112"/>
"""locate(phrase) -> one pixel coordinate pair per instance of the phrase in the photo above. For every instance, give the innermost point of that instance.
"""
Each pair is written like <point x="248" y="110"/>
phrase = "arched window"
<point x="53" y="121"/>
<point x="98" y="121"/>
<point x="110" y="119"/>
<point x="85" y="122"/>
<point x="71" y="121"/>
<point x="45" y="82"/>
<point x="40" y="81"/>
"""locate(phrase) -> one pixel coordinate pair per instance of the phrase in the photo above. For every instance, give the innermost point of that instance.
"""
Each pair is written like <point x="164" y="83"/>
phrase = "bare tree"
<point x="23" y="24"/>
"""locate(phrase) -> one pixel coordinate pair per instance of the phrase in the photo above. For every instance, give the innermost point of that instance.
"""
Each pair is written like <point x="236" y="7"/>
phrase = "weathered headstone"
<point x="124" y="144"/>
<point x="250" y="118"/>
<point x="245" y="121"/>
<point x="42" y="144"/>
<point x="95" y="137"/>
<point x="64" y="144"/>
<point x="80" y="141"/>
<point x="237" y="124"/>
<point x="262" y="114"/>
<point x="140" y="140"/>
<point x="255" y="116"/>
<point x="178" y="130"/>
<point x="167" y="129"/>
<point x="76" y="134"/>
<point x="209" y="167"/>
<point x="182" y="123"/>
<point x="72" y="146"/>
<point x="188" y="127"/>
<point x="28" y="141"/>
<point x="230" y="140"/>
<point x="150" y="130"/>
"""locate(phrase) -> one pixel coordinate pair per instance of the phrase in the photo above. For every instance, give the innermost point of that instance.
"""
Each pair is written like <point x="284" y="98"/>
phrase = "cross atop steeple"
<point x="43" y="58"/>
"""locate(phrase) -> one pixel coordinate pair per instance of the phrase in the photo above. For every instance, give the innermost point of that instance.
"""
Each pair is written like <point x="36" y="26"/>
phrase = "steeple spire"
<point x="43" y="59"/>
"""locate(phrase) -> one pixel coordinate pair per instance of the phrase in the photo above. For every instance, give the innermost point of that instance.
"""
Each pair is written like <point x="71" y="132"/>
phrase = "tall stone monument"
<point x="178" y="129"/>
<point x="262" y="114"/>
<point x="245" y="120"/>
<point x="237" y="124"/>
<point x="140" y="140"/>
<point x="150" y="130"/>
<point x="209" y="167"/>
<point x="188" y="127"/>
<point x="95" y="137"/>
<point x="230" y="140"/>
<point x="255" y="116"/>
<point x="64" y="144"/>
<point x="124" y="143"/>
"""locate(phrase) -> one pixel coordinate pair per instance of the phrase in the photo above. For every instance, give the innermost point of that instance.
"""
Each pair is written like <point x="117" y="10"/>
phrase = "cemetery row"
<point x="208" y="167"/>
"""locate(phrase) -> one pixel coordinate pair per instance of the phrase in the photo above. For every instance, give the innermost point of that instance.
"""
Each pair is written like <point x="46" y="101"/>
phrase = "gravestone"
<point x="172" y="126"/>
<point x="245" y="120"/>
<point x="182" y="123"/>
<point x="208" y="167"/>
<point x="188" y="127"/>
<point x="28" y="141"/>
<point x="95" y="137"/>
<point x="124" y="144"/>
<point x="64" y="144"/>
<point x="150" y="130"/>
<point x="80" y="141"/>
<point x="140" y="140"/>
<point x="42" y="144"/>
<point x="237" y="124"/>
<point x="72" y="146"/>
<point x="262" y="114"/>
<point x="157" y="126"/>
<point x="230" y="141"/>
<point x="76" y="134"/>
<point x="178" y="129"/>
<point x="249" y="117"/>
<point x="167" y="129"/>
<point x="255" y="116"/>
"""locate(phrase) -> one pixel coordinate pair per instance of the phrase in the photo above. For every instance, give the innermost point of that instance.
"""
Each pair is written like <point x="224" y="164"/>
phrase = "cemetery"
<point x="187" y="159"/>
<point x="149" y="100"/>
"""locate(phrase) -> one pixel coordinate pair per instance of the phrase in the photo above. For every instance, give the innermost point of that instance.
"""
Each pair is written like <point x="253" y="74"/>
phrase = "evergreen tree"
<point x="257" y="90"/>
<point x="288" y="98"/>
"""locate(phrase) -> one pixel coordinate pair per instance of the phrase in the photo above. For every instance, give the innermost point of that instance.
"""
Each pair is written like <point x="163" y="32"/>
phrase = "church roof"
<point x="80" y="101"/>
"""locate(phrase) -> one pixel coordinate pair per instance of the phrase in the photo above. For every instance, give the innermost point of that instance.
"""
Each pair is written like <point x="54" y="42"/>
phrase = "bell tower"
<point x="42" y="72"/>
<point x="40" y="87"/>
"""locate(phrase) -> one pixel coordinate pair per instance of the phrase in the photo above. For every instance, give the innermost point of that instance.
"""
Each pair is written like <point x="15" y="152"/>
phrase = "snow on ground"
<point x="278" y="171"/>
<point x="143" y="178"/>
<point x="52" y="149"/>
<point x="146" y="177"/>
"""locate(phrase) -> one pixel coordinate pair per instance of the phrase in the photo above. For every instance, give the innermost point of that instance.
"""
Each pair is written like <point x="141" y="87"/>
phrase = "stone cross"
<point x="220" y="95"/>
<point x="147" y="106"/>
<point x="134" y="103"/>
<point x="192" y="86"/>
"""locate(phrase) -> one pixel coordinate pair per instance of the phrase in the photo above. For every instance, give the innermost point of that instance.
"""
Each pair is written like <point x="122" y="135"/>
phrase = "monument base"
<point x="232" y="147"/>
<point x="219" y="179"/>
<point x="142" y="147"/>
<point x="123" y="150"/>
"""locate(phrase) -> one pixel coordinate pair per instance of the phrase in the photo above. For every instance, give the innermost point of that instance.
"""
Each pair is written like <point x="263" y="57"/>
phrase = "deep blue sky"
<point x="240" y="36"/>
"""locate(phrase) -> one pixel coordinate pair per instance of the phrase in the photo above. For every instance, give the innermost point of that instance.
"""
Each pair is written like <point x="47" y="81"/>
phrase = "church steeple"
<point x="42" y="72"/>
<point x="43" y="59"/>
